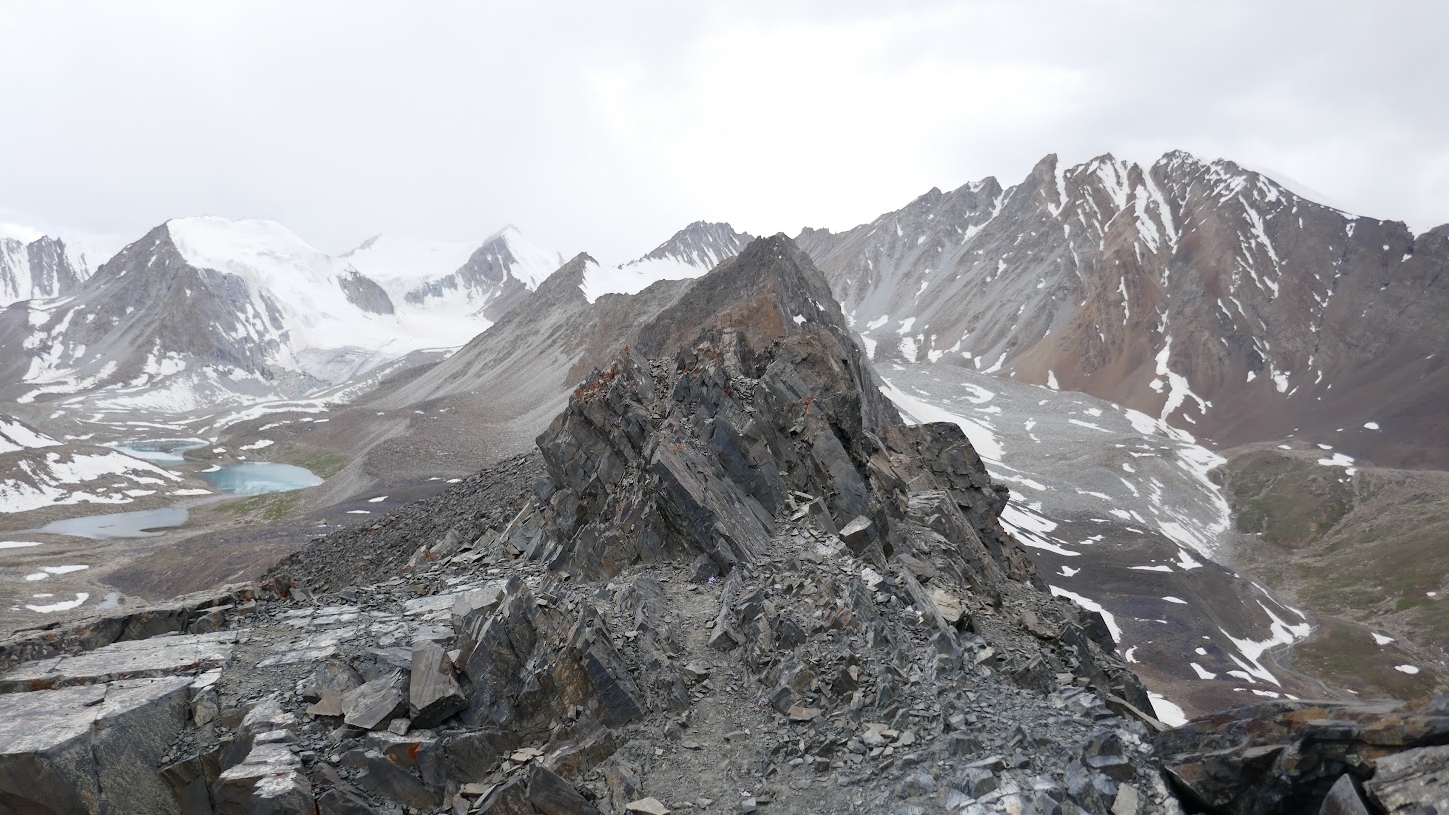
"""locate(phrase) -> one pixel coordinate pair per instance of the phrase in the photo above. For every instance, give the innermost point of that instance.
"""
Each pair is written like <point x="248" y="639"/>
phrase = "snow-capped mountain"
<point x="204" y="312"/>
<point x="34" y="265"/>
<point x="1197" y="292"/>
<point x="564" y="323"/>
<point x="401" y="264"/>
<point x="690" y="252"/>
<point x="488" y="281"/>
<point x="701" y="245"/>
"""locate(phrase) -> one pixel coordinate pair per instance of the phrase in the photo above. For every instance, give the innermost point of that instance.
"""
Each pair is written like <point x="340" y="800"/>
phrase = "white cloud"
<point x="606" y="126"/>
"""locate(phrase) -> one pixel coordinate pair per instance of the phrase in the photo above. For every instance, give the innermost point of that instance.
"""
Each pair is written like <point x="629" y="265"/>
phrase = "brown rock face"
<point x="1203" y="293"/>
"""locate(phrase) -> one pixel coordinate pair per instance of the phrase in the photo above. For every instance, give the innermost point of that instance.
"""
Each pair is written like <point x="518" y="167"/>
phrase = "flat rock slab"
<point x="1413" y="781"/>
<point x="135" y="659"/>
<point x="91" y="749"/>
<point x="372" y="704"/>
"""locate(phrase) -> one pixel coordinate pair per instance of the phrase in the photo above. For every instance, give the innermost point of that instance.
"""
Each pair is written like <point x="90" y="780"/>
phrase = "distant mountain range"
<point x="205" y="312"/>
<point x="1199" y="292"/>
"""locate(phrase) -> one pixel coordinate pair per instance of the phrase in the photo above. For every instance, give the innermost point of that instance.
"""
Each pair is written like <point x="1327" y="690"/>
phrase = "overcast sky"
<point x="606" y="126"/>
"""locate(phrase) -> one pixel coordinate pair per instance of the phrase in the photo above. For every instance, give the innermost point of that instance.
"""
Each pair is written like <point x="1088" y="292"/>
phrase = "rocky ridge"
<point x="743" y="584"/>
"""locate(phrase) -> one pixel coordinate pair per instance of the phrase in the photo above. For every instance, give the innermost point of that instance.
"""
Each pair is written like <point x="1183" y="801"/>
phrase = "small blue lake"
<point x="160" y="451"/>
<point x="258" y="478"/>
<point x="145" y="524"/>
<point x="249" y="478"/>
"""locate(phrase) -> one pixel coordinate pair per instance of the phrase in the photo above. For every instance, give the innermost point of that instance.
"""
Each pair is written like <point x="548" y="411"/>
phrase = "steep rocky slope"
<point x="1202" y="293"/>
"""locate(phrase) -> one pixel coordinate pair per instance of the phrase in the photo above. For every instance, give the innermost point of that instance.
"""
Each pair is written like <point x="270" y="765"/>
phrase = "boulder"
<point x="433" y="693"/>
<point x="383" y="777"/>
<point x="372" y="704"/>
<point x="91" y="749"/>
<point x="1343" y="799"/>
<point x="1414" y="781"/>
<point x="551" y="795"/>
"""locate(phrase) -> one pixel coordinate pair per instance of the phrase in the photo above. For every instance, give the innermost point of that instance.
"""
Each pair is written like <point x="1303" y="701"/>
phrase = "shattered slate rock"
<point x="372" y="704"/>
<point x="1414" y="781"/>
<point x="269" y="780"/>
<point x="433" y="694"/>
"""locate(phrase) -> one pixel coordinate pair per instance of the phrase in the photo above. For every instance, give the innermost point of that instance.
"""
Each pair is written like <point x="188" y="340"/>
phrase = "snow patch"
<point x="65" y="605"/>
<point x="1166" y="712"/>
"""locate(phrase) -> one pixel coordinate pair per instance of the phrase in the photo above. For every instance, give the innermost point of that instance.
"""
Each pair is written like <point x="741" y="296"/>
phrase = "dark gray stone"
<point x="1414" y="781"/>
<point x="1343" y="799"/>
<point x="383" y="778"/>
<point x="340" y="801"/>
<point x="372" y="704"/>
<point x="433" y="693"/>
<point x="551" y="795"/>
<point x="268" y="781"/>
<point x="91" y="749"/>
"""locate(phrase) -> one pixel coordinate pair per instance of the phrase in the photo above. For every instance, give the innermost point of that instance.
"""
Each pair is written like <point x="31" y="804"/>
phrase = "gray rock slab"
<point x="433" y="693"/>
<point x="372" y="704"/>
<point x="1343" y="799"/>
<point x="1414" y="781"/>
<point x="138" y="659"/>
<point x="91" y="749"/>
<point x="313" y="647"/>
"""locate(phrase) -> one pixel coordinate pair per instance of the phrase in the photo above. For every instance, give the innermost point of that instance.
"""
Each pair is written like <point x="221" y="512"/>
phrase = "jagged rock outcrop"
<point x="1287" y="756"/>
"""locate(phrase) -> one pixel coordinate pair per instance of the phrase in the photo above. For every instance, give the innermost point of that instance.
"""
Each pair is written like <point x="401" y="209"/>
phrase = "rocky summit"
<point x="732" y="580"/>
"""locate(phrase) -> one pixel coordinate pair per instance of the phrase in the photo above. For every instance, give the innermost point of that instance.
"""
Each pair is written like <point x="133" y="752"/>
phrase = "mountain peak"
<point x="702" y="244"/>
<point x="36" y="265"/>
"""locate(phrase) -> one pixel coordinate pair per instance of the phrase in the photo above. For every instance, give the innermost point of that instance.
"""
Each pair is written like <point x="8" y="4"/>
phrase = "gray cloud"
<point x="604" y="127"/>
